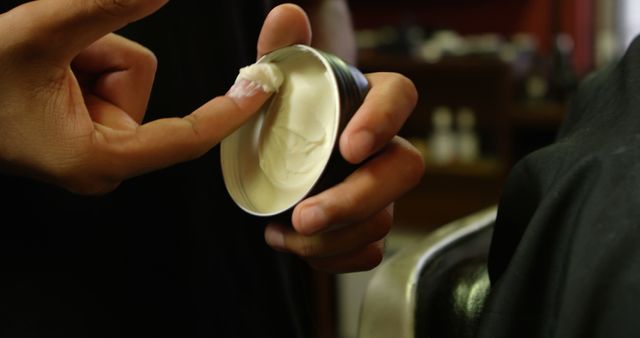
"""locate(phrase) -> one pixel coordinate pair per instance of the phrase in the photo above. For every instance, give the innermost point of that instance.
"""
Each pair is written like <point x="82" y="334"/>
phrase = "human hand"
<point x="342" y="229"/>
<point x="72" y="97"/>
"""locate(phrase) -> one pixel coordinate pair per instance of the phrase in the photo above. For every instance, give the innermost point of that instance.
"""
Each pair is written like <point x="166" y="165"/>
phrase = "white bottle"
<point x="468" y="143"/>
<point x="442" y="140"/>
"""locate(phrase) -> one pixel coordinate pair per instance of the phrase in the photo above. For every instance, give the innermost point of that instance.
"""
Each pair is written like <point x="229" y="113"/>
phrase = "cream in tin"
<point x="277" y="158"/>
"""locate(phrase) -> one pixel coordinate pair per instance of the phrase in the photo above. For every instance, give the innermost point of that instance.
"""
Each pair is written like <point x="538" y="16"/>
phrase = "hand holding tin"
<point x="342" y="228"/>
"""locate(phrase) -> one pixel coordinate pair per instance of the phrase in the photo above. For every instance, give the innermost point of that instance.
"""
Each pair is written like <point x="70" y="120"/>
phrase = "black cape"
<point x="167" y="254"/>
<point x="565" y="258"/>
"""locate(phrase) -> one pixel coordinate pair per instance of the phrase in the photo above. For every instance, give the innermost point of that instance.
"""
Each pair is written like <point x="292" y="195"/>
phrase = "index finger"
<point x="168" y="141"/>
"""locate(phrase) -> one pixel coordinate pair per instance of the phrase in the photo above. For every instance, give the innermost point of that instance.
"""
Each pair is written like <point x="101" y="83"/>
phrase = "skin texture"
<point x="73" y="95"/>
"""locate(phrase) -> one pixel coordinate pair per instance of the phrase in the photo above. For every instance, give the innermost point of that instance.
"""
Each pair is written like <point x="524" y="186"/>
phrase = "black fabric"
<point x="167" y="254"/>
<point x="565" y="257"/>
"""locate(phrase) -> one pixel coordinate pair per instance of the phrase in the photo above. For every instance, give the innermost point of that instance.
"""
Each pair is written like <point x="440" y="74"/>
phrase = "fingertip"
<point x="285" y="25"/>
<point x="248" y="96"/>
<point x="254" y="85"/>
<point x="309" y="219"/>
<point x="356" y="147"/>
<point x="287" y="7"/>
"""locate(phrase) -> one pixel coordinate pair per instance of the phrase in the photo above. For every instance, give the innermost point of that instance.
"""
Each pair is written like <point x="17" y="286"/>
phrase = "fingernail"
<point x="313" y="219"/>
<point x="274" y="236"/>
<point x="361" y="145"/>
<point x="244" y="88"/>
<point x="256" y="78"/>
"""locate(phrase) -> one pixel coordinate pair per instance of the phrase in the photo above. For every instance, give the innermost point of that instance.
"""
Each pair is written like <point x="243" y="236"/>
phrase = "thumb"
<point x="285" y="25"/>
<point x="62" y="28"/>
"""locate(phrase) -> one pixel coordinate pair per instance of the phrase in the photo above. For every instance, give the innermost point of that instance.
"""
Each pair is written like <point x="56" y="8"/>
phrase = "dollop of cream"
<point x="267" y="75"/>
<point x="297" y="132"/>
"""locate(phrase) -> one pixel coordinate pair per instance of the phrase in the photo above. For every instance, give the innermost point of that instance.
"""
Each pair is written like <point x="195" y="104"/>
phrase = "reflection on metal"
<point x="389" y="306"/>
<point x="469" y="296"/>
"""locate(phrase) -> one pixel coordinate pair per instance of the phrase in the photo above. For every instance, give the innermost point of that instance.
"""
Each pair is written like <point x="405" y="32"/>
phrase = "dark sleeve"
<point x="565" y="259"/>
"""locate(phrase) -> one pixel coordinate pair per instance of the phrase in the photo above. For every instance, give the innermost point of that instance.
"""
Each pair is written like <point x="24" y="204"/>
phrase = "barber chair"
<point x="436" y="288"/>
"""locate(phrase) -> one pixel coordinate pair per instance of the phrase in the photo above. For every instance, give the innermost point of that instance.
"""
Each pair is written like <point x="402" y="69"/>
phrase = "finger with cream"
<point x="264" y="76"/>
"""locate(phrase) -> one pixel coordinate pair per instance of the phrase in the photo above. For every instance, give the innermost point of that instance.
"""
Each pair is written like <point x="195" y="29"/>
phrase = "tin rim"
<point x="343" y="110"/>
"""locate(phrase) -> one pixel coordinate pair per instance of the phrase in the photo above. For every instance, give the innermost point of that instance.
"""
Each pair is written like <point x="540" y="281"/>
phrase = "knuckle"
<point x="149" y="58"/>
<point x="27" y="38"/>
<point x="406" y="86"/>
<point x="143" y="56"/>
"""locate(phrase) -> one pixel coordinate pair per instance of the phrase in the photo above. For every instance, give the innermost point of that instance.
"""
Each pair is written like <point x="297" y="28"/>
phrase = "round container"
<point x="289" y="150"/>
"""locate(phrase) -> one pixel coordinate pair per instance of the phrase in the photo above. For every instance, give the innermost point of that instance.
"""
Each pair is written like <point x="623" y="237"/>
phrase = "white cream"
<point x="274" y="160"/>
<point x="266" y="75"/>
<point x="297" y="131"/>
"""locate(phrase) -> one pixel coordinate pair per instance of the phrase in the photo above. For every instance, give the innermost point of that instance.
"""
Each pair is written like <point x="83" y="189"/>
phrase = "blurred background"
<point x="495" y="79"/>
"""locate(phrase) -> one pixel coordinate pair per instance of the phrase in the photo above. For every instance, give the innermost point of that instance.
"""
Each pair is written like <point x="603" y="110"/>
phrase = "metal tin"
<point x="244" y="176"/>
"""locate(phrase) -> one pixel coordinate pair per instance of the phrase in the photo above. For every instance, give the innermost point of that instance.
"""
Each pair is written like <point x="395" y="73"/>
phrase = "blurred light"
<point x="631" y="12"/>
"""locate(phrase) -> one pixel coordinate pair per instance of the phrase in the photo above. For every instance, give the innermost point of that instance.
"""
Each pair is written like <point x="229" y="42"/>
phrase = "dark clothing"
<point x="565" y="259"/>
<point x="167" y="254"/>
